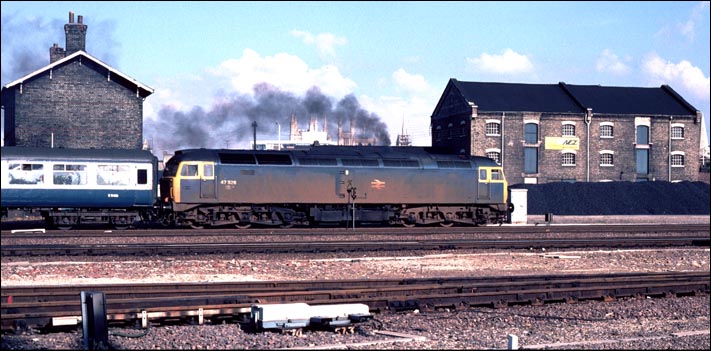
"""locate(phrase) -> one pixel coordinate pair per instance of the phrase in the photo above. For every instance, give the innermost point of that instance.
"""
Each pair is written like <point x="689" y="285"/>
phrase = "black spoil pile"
<point x="617" y="198"/>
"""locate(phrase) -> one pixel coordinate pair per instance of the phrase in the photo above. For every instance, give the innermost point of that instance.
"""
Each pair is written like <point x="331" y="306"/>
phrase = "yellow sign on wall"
<point x="562" y="143"/>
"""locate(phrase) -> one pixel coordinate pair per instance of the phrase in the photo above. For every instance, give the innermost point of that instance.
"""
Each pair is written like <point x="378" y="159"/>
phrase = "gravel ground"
<point x="663" y="323"/>
<point x="668" y="323"/>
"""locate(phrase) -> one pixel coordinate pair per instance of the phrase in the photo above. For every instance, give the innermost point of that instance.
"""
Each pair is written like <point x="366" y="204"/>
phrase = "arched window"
<point x="496" y="156"/>
<point x="677" y="132"/>
<point x="677" y="159"/>
<point x="607" y="159"/>
<point x="607" y="131"/>
<point x="493" y="128"/>
<point x="568" y="159"/>
<point x="568" y="130"/>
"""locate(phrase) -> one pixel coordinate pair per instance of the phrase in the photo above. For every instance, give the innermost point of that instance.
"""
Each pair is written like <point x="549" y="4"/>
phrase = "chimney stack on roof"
<point x="76" y="35"/>
<point x="55" y="53"/>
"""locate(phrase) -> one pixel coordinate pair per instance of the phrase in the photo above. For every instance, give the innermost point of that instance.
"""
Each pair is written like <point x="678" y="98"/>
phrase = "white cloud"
<point x="608" y="62"/>
<point x="398" y="113"/>
<point x="509" y="62"/>
<point x="683" y="74"/>
<point x="413" y="83"/>
<point x="325" y="42"/>
<point x="688" y="28"/>
<point x="284" y="71"/>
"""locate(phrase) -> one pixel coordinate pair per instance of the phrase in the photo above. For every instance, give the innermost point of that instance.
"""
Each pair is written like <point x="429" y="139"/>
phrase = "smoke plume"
<point x="228" y="122"/>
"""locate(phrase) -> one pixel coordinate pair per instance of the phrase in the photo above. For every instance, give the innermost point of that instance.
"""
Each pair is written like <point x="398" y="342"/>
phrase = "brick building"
<point x="76" y="101"/>
<point x="545" y="133"/>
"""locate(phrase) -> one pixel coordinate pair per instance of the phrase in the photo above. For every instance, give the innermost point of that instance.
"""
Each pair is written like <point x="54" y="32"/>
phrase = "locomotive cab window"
<point x="189" y="170"/>
<point x="496" y="174"/>
<point x="208" y="170"/>
<point x="195" y="170"/>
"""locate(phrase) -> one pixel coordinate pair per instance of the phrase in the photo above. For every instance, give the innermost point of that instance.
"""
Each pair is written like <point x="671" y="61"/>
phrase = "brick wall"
<point x="550" y="168"/>
<point x="80" y="106"/>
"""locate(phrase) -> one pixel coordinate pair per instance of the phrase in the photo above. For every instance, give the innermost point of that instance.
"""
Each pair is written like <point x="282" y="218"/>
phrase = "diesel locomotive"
<point x="332" y="184"/>
<point x="320" y="185"/>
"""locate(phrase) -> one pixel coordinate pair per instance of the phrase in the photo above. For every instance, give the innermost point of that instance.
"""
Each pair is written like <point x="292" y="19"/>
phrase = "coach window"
<point x="26" y="173"/>
<point x="69" y="174"/>
<point x="113" y="175"/>
<point x="142" y="176"/>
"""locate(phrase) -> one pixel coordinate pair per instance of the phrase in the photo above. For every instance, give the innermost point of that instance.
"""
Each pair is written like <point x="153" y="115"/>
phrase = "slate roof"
<point x="568" y="98"/>
<point x="116" y="75"/>
<point x="517" y="97"/>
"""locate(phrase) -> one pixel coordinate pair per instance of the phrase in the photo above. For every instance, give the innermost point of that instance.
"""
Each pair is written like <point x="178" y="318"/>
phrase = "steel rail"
<point x="389" y="232"/>
<point x="344" y="246"/>
<point x="381" y="296"/>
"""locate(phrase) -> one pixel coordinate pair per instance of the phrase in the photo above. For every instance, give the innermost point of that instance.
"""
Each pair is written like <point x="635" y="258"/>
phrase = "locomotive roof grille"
<point x="273" y="159"/>
<point x="360" y="162"/>
<point x="454" y="164"/>
<point x="237" y="159"/>
<point x="401" y="163"/>
<point x="318" y="162"/>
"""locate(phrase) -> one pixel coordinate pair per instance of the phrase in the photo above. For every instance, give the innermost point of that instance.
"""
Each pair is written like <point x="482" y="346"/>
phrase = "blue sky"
<point x="392" y="58"/>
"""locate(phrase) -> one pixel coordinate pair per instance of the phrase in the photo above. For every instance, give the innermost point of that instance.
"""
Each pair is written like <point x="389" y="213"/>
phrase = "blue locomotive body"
<point x="328" y="184"/>
<point x="71" y="186"/>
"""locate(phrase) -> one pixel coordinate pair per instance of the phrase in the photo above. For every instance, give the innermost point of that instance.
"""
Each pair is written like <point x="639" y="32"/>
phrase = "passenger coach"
<point x="396" y="185"/>
<point x="72" y="186"/>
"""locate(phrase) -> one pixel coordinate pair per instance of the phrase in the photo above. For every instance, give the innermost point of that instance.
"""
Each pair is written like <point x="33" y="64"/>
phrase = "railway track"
<point x="342" y="246"/>
<point x="48" y="307"/>
<point x="640" y="229"/>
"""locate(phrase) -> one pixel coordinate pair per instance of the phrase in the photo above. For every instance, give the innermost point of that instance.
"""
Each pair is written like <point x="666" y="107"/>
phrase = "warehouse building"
<point x="76" y="101"/>
<point x="544" y="133"/>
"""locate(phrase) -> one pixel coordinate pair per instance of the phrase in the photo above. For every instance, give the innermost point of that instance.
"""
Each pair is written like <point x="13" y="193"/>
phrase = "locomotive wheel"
<point x="243" y="226"/>
<point x="120" y="223"/>
<point x="408" y="225"/>
<point x="446" y="224"/>
<point x="66" y="224"/>
<point x="195" y="226"/>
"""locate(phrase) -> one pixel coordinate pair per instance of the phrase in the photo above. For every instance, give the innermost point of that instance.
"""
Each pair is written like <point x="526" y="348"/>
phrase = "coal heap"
<point x="618" y="198"/>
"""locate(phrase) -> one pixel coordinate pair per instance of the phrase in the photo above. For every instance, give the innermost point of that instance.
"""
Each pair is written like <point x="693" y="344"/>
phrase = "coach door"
<point x="207" y="180"/>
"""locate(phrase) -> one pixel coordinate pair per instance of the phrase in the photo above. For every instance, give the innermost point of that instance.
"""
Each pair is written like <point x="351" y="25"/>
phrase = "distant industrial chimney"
<point x="76" y="34"/>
